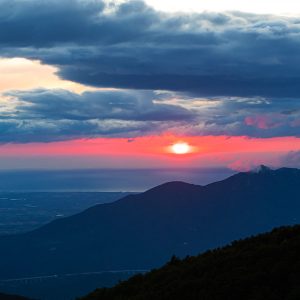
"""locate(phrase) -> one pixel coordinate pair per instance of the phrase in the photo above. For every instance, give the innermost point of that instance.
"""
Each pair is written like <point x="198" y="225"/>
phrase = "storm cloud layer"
<point x="53" y="115"/>
<point x="133" y="46"/>
<point x="222" y="73"/>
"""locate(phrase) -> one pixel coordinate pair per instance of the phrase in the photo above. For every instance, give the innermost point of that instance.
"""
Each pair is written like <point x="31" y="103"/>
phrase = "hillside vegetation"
<point x="265" y="267"/>
<point x="11" y="297"/>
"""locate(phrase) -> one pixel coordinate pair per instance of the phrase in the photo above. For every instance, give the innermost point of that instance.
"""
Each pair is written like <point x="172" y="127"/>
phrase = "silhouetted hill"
<point x="12" y="297"/>
<point x="266" y="267"/>
<point x="142" y="231"/>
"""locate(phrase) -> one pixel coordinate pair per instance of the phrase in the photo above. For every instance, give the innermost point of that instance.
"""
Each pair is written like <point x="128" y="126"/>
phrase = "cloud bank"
<point x="223" y="73"/>
<point x="52" y="115"/>
<point x="133" y="46"/>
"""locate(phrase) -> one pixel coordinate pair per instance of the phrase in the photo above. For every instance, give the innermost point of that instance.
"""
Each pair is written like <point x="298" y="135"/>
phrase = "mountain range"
<point x="142" y="231"/>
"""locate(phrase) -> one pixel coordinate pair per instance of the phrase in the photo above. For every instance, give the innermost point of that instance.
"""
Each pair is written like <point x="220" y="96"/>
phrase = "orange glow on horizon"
<point x="237" y="152"/>
<point x="24" y="74"/>
<point x="154" y="145"/>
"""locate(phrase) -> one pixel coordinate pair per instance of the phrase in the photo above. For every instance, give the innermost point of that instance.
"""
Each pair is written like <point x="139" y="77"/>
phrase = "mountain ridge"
<point x="142" y="231"/>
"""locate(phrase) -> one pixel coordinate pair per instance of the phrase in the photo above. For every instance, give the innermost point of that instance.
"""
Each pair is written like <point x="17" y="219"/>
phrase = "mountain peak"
<point x="262" y="169"/>
<point x="175" y="186"/>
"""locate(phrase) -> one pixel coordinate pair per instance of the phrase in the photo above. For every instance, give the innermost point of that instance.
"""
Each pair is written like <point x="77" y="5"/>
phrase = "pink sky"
<point x="154" y="151"/>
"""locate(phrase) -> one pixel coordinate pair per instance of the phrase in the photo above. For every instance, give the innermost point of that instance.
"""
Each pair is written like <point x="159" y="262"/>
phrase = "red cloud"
<point x="265" y="121"/>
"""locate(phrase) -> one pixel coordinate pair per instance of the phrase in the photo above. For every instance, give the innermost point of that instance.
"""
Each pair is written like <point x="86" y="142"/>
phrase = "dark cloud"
<point x="135" y="47"/>
<point x="225" y="73"/>
<point x="38" y="130"/>
<point x="47" y="23"/>
<point x="100" y="105"/>
<point x="240" y="116"/>
<point x="52" y="115"/>
<point x="49" y="115"/>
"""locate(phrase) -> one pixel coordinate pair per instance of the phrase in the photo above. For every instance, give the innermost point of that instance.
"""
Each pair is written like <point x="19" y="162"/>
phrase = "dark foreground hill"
<point x="266" y="267"/>
<point x="11" y="297"/>
<point x="143" y="231"/>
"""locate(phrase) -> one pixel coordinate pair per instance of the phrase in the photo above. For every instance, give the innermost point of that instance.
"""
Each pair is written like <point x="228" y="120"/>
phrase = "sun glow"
<point x="24" y="74"/>
<point x="181" y="148"/>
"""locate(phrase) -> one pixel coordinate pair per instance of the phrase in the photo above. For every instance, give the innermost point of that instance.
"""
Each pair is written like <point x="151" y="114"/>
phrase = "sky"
<point x="116" y="84"/>
<point x="282" y="8"/>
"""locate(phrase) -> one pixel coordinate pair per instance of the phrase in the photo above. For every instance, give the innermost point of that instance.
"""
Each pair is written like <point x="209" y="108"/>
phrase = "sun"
<point x="181" y="148"/>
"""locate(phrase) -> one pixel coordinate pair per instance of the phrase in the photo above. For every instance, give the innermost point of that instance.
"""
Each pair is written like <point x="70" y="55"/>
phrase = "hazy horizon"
<point x="105" y="180"/>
